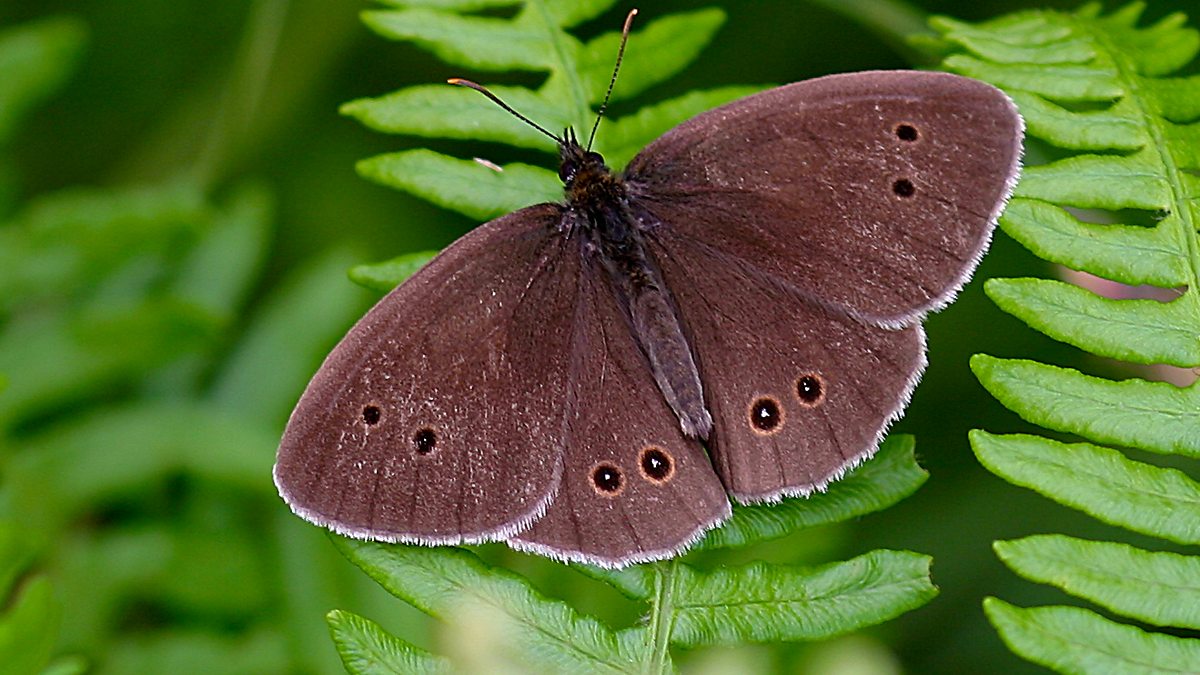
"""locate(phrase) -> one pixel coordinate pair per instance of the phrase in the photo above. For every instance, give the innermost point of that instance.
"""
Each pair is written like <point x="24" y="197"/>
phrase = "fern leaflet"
<point x="1102" y="90"/>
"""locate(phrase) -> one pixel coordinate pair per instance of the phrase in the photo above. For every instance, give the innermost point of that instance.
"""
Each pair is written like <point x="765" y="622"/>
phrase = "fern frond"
<point x="577" y="75"/>
<point x="1104" y="91"/>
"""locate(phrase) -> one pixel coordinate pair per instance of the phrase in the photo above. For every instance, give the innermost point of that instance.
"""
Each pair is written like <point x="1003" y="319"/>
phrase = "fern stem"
<point x="893" y="20"/>
<point x="1152" y="119"/>
<point x="581" y="111"/>
<point x="255" y="57"/>
<point x="662" y="617"/>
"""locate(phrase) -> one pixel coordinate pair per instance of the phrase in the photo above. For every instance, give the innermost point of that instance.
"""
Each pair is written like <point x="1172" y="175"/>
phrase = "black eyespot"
<point x="424" y="441"/>
<point x="656" y="465"/>
<point x="607" y="479"/>
<point x="906" y="132"/>
<point x="810" y="389"/>
<point x="371" y="414"/>
<point x="904" y="187"/>
<point x="765" y="415"/>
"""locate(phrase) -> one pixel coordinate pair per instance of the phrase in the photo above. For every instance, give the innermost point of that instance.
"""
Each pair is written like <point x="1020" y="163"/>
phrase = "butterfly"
<point x="736" y="316"/>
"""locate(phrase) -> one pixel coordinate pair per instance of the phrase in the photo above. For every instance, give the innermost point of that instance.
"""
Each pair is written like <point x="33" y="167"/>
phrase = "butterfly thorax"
<point x="598" y="211"/>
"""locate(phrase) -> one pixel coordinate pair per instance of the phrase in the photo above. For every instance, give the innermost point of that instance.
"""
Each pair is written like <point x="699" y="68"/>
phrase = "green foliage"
<point x="136" y="452"/>
<point x="506" y="619"/>
<point x="507" y="623"/>
<point x="577" y="78"/>
<point x="31" y="613"/>
<point x="36" y="59"/>
<point x="1126" y="127"/>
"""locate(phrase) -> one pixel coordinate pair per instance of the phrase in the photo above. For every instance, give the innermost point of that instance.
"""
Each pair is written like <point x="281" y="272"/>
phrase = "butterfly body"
<point x="754" y="280"/>
<point x="614" y="245"/>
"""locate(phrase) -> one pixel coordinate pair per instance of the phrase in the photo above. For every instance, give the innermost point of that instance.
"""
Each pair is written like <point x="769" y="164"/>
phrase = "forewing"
<point x="438" y="418"/>
<point x="799" y="392"/>
<point x="874" y="192"/>
<point x="633" y="488"/>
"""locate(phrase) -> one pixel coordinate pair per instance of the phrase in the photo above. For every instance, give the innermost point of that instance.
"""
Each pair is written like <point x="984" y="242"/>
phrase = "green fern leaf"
<point x="760" y="602"/>
<point x="577" y="77"/>
<point x="1158" y="588"/>
<point x="891" y="475"/>
<point x="453" y="584"/>
<point x="1074" y="640"/>
<point x="1100" y="88"/>
<point x="367" y="650"/>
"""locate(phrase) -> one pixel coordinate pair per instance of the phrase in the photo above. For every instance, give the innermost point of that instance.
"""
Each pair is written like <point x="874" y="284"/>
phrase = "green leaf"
<point x="387" y="275"/>
<point x="52" y="360"/>
<point x="1100" y="88"/>
<point x="35" y="60"/>
<point x="1154" y="416"/>
<point x="451" y="584"/>
<point x="62" y="244"/>
<point x="471" y="188"/>
<point x="658" y="51"/>
<point x="1141" y="331"/>
<point x="29" y="612"/>
<point x="29" y="627"/>
<point x="1099" y="481"/>
<point x="366" y="649"/>
<point x="1129" y="254"/>
<point x="1159" y="588"/>
<point x="761" y="602"/>
<point x="1074" y="640"/>
<point x="885" y="479"/>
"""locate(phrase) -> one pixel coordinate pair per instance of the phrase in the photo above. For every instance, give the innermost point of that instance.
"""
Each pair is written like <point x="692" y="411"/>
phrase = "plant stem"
<point x="255" y="58"/>
<point x="893" y="20"/>
<point x="662" y="617"/>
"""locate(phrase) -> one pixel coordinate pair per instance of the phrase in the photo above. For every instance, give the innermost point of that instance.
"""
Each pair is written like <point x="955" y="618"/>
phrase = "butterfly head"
<point x="577" y="163"/>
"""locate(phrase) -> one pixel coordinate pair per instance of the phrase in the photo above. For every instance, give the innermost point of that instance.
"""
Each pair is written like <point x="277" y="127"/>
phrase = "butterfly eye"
<point x="371" y="414"/>
<point x="424" y="441"/>
<point x="656" y="465"/>
<point x="765" y="415"/>
<point x="904" y="188"/>
<point x="566" y="171"/>
<point x="607" y="480"/>
<point x="906" y="132"/>
<point x="811" y="390"/>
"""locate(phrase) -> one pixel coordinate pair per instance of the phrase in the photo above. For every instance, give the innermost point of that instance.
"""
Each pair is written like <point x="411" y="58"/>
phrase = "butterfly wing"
<point x="799" y="392"/>
<point x="437" y="418"/>
<point x="804" y="231"/>
<point x="874" y="192"/>
<point x="634" y="488"/>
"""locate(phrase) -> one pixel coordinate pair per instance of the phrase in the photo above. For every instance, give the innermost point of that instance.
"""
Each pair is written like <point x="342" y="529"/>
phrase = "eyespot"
<point x="904" y="188"/>
<point x="424" y="441"/>
<point x="765" y="415"/>
<point x="657" y="465"/>
<point x="811" y="389"/>
<point x="906" y="132"/>
<point x="607" y="480"/>
<point x="371" y="414"/>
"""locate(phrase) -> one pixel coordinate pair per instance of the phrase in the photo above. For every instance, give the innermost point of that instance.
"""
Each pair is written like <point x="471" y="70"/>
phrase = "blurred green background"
<point x="179" y="212"/>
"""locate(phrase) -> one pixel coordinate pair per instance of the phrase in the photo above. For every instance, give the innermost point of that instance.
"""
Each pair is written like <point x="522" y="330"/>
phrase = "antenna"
<point x="458" y="81"/>
<point x="613" y="80"/>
